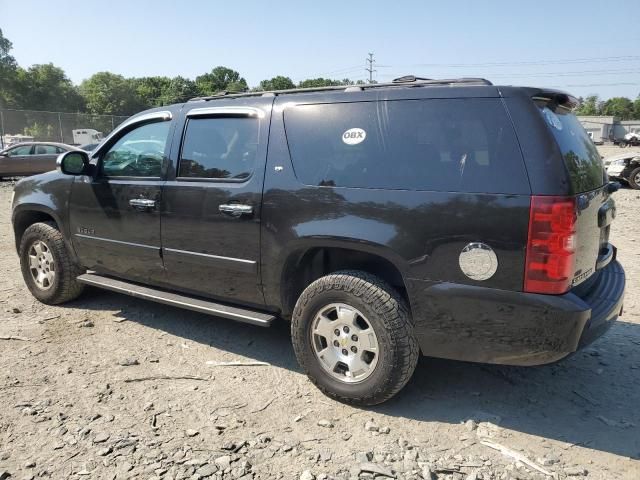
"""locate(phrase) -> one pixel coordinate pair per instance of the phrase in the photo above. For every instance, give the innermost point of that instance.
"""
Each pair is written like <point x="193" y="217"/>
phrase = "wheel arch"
<point x="26" y="215"/>
<point x="312" y="260"/>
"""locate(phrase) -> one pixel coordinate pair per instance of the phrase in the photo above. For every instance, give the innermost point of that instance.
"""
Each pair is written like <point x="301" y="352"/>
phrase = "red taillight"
<point x="550" y="259"/>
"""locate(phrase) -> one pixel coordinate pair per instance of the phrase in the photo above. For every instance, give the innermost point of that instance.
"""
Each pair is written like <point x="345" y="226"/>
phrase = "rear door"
<point x="44" y="158"/>
<point x="211" y="208"/>
<point x="587" y="183"/>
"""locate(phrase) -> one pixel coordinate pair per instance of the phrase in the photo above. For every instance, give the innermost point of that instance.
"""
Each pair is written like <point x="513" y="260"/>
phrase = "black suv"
<point x="454" y="218"/>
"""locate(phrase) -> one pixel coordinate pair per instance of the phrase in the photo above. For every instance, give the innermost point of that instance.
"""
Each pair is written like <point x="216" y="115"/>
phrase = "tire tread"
<point x="389" y="305"/>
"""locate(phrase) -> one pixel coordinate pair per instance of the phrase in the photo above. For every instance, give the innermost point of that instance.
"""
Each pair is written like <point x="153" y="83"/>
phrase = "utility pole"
<point x="369" y="67"/>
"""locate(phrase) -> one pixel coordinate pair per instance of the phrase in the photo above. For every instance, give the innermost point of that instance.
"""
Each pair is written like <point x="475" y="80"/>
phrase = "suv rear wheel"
<point x="47" y="266"/>
<point x="352" y="334"/>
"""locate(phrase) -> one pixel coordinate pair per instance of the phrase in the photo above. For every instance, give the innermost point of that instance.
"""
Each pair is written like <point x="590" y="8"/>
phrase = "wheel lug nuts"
<point x="345" y="352"/>
<point x="336" y="343"/>
<point x="337" y="332"/>
<point x="346" y="329"/>
<point x="354" y="349"/>
<point x="354" y="338"/>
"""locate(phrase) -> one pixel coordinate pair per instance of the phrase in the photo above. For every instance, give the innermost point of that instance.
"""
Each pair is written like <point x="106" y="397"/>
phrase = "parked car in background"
<point x="625" y="167"/>
<point x="29" y="158"/>
<point x="90" y="147"/>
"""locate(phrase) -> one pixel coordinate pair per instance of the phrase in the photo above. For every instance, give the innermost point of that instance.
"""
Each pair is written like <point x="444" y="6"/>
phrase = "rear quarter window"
<point x="580" y="155"/>
<point x="456" y="145"/>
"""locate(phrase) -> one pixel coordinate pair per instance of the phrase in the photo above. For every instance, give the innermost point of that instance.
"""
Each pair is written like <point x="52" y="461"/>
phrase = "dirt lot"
<point x="113" y="387"/>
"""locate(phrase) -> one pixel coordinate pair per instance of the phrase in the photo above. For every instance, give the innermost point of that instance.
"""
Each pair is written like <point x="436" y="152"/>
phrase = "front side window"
<point x="139" y="153"/>
<point x="219" y="148"/>
<point x="451" y="145"/>
<point x="24" y="150"/>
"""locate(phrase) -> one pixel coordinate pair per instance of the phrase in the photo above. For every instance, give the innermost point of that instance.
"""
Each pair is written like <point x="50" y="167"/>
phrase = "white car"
<point x="625" y="167"/>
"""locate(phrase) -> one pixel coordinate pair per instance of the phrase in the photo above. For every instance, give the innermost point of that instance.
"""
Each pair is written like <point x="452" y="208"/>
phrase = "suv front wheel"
<point x="352" y="334"/>
<point x="47" y="266"/>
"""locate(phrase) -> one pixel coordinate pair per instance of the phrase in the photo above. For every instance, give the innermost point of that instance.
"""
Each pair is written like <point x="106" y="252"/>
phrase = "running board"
<point x="177" y="300"/>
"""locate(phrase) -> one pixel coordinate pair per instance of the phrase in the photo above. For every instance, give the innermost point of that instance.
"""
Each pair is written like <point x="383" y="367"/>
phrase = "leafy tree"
<point x="41" y="131"/>
<point x="150" y="90"/>
<point x="221" y="79"/>
<point x="179" y="90"/>
<point x="621" y="107"/>
<point x="111" y="94"/>
<point x="8" y="68"/>
<point x="46" y="87"/>
<point x="322" y="82"/>
<point x="636" y="108"/>
<point x="277" y="83"/>
<point x="589" y="106"/>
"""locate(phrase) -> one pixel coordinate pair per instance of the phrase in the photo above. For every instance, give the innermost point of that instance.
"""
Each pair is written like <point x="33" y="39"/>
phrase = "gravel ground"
<point x="113" y="387"/>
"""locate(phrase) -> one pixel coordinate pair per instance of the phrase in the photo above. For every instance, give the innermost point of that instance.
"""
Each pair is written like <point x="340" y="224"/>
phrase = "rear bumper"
<point x="481" y="324"/>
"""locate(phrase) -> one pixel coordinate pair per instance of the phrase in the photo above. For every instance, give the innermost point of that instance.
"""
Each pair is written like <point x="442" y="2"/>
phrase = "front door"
<point x="211" y="209"/>
<point x="115" y="215"/>
<point x="17" y="160"/>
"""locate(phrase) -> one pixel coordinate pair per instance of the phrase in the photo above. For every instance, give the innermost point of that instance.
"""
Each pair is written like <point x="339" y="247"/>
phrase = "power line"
<point x="593" y="73"/>
<point x="533" y="62"/>
<point x="369" y="67"/>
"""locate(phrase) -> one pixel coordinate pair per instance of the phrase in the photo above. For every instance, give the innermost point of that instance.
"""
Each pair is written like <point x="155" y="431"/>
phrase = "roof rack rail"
<point x="447" y="81"/>
<point x="405" y="81"/>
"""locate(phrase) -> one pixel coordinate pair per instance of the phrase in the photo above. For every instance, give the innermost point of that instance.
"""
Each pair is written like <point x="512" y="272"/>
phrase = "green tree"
<point x="46" y="87"/>
<point x="8" y="70"/>
<point x="621" y="107"/>
<point x="221" y="79"/>
<point x="277" y="83"/>
<point x="589" y="106"/>
<point x="636" y="108"/>
<point x="150" y="90"/>
<point x="324" y="82"/>
<point x="106" y="93"/>
<point x="178" y="90"/>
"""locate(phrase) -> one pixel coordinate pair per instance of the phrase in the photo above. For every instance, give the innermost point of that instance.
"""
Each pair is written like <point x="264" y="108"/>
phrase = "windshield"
<point x="581" y="156"/>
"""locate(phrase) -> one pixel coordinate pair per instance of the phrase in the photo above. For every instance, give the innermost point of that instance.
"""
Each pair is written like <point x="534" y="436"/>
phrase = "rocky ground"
<point x="110" y="387"/>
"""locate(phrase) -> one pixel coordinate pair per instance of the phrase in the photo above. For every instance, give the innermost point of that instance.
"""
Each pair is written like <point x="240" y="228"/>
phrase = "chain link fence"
<point x="70" y="128"/>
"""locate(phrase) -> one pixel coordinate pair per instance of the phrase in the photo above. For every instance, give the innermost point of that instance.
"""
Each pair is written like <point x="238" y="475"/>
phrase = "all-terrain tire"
<point x="633" y="176"/>
<point x="65" y="286"/>
<point x="387" y="314"/>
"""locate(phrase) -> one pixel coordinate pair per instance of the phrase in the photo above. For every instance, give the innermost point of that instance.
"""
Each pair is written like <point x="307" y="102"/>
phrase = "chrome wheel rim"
<point x="344" y="343"/>
<point x="636" y="179"/>
<point x="41" y="265"/>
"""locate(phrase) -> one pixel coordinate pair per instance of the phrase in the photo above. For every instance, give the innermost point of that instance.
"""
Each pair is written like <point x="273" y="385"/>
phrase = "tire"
<point x="377" y="305"/>
<point x="60" y="287"/>
<point x="634" y="178"/>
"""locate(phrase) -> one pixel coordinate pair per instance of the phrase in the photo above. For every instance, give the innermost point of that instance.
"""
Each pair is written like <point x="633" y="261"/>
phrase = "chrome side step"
<point x="177" y="300"/>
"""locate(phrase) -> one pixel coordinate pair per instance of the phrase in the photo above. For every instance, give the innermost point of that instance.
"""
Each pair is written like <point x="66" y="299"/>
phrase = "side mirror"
<point x="73" y="162"/>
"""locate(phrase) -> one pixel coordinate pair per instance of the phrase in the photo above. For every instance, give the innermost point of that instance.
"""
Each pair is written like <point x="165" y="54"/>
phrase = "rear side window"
<point x="219" y="147"/>
<point x="583" y="162"/>
<point x="456" y="145"/>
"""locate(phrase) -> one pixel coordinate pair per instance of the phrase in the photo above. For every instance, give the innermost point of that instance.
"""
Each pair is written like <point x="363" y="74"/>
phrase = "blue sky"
<point x="566" y="44"/>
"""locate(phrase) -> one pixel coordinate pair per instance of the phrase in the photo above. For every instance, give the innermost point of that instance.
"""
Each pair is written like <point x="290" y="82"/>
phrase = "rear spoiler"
<point x="557" y="98"/>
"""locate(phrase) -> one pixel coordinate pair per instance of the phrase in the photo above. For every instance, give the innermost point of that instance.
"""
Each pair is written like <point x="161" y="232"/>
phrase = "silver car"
<point x="30" y="158"/>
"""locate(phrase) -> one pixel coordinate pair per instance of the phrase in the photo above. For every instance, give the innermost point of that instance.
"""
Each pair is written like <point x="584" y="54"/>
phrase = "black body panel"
<point x="205" y="250"/>
<point x="109" y="234"/>
<point x="189" y="243"/>
<point x="497" y="326"/>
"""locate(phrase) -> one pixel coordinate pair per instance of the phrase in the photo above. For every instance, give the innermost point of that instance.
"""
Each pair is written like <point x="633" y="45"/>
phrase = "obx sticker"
<point x="353" y="136"/>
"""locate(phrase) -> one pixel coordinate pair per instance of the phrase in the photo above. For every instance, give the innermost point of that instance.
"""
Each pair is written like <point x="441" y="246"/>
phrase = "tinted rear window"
<point x="457" y="145"/>
<point x="581" y="157"/>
